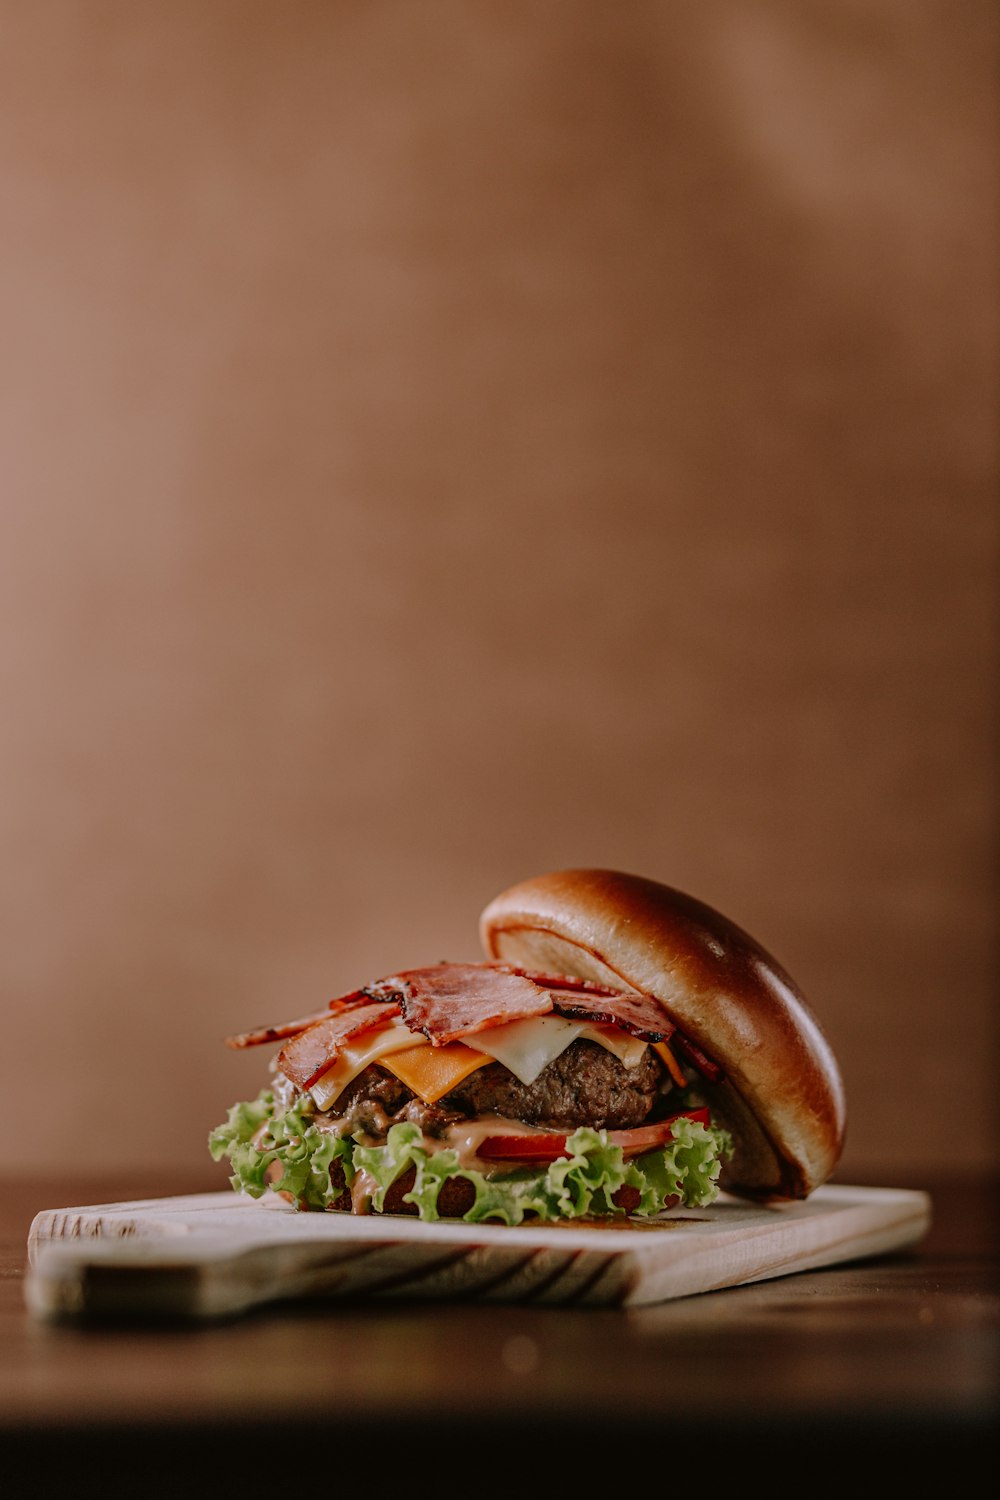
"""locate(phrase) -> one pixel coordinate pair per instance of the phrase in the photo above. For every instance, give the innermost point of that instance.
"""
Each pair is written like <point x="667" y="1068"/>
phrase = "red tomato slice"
<point x="648" y="1137"/>
<point x="538" y="1147"/>
<point x="542" y="1146"/>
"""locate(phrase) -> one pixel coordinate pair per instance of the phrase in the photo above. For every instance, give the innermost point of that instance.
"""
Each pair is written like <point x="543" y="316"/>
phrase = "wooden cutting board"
<point x="215" y="1255"/>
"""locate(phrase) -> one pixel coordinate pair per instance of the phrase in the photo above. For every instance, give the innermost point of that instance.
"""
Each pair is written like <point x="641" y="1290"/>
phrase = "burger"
<point x="622" y="1049"/>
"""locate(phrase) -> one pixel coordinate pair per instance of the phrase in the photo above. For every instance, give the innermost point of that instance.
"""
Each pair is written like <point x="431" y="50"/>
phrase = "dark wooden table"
<point x="892" y="1360"/>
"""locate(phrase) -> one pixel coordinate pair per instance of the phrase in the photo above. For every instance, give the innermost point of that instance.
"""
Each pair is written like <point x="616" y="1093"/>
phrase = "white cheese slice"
<point x="628" y="1049"/>
<point x="526" y="1047"/>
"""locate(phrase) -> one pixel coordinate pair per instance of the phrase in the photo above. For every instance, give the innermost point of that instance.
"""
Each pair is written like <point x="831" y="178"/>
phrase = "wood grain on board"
<point x="211" y="1255"/>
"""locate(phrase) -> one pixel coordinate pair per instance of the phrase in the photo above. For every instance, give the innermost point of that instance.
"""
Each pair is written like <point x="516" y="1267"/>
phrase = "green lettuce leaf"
<point x="581" y="1183"/>
<point x="253" y="1137"/>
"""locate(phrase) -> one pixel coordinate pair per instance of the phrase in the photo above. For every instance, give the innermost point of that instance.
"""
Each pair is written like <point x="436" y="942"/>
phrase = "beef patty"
<point x="585" y="1085"/>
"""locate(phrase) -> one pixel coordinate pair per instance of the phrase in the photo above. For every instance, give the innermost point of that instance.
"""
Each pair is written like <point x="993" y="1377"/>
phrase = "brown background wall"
<point x="447" y="441"/>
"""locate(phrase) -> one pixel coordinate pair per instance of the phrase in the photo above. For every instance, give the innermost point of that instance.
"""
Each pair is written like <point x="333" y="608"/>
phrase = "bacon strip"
<point x="277" y="1033"/>
<point x="561" y="981"/>
<point x="446" y="1002"/>
<point x="697" y="1058"/>
<point x="639" y="1015"/>
<point x="449" y="1001"/>
<point x="309" y="1054"/>
<point x="355" y="997"/>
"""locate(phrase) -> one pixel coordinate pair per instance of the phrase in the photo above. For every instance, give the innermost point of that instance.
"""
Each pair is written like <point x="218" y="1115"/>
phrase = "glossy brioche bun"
<point x="782" y="1097"/>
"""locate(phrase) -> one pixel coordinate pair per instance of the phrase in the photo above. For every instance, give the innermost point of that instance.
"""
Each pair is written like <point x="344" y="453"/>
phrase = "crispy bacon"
<point x="276" y="1033"/>
<point x="639" y="1015"/>
<point x="694" y="1055"/>
<point x="445" y="1002"/>
<point x="561" y="981"/>
<point x="309" y="1054"/>
<point x="449" y="1001"/>
<point x="354" y="997"/>
<point x="280" y="1031"/>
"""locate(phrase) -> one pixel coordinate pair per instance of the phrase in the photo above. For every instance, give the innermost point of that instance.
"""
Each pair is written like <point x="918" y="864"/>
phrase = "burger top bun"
<point x="781" y="1097"/>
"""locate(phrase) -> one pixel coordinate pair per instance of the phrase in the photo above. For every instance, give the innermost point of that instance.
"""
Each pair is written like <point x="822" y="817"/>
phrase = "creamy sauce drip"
<point x="363" y="1189"/>
<point x="466" y="1136"/>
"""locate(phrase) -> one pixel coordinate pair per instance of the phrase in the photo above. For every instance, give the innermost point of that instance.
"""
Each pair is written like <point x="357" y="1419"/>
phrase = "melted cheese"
<point x="627" y="1049"/>
<point x="353" y="1057"/>
<point x="673" y="1066"/>
<point x="433" y="1072"/>
<point x="524" y="1047"/>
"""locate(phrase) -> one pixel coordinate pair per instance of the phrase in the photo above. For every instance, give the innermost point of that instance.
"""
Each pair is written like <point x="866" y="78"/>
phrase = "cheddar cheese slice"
<point x="433" y="1072"/>
<point x="673" y="1066"/>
